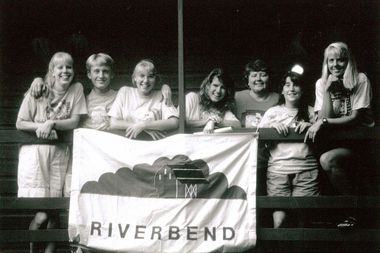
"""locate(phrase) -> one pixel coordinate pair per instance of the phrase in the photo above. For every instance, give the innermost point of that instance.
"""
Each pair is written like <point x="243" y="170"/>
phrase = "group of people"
<point x="57" y="102"/>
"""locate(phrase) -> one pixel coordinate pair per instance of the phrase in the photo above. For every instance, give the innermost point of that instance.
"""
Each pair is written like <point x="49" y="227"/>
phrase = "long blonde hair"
<point x="350" y="76"/>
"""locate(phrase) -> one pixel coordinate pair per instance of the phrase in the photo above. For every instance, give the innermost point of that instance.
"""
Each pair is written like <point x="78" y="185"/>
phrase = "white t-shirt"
<point x="286" y="157"/>
<point x="72" y="102"/>
<point x="130" y="106"/>
<point x="98" y="106"/>
<point x="195" y="112"/>
<point x="344" y="102"/>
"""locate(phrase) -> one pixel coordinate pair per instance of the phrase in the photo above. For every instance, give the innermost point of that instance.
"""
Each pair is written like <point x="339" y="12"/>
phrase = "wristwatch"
<point x="324" y="121"/>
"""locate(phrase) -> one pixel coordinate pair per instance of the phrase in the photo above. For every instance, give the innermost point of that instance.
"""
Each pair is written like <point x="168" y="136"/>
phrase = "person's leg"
<point x="53" y="222"/>
<point x="305" y="183"/>
<point x="279" y="217"/>
<point x="336" y="164"/>
<point x="339" y="163"/>
<point x="35" y="224"/>
<point x="278" y="185"/>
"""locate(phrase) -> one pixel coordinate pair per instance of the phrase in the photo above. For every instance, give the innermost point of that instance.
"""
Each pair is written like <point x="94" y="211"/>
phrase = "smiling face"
<point x="291" y="91"/>
<point x="336" y="64"/>
<point x="258" y="81"/>
<point x="63" y="74"/>
<point x="100" y="76"/>
<point x="216" y="90"/>
<point x="144" y="78"/>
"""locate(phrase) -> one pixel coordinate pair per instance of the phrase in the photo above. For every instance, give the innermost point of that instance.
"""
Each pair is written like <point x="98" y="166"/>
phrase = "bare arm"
<point x="327" y="107"/>
<point x="196" y="123"/>
<point x="167" y="94"/>
<point x="231" y="123"/>
<point x="43" y="130"/>
<point x="67" y="124"/>
<point x="344" y="120"/>
<point x="27" y="125"/>
<point x="64" y="124"/>
<point x="161" y="125"/>
<point x="327" y="110"/>
<point x="37" y="88"/>
<point x="120" y="123"/>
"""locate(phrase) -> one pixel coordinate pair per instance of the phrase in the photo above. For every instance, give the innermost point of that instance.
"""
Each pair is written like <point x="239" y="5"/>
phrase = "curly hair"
<point x="228" y="101"/>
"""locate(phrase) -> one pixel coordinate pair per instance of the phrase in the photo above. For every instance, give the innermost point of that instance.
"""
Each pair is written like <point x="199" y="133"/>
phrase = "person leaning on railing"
<point x="141" y="110"/>
<point x="343" y="98"/>
<point x="252" y="103"/>
<point x="292" y="166"/>
<point x="43" y="169"/>
<point x="212" y="106"/>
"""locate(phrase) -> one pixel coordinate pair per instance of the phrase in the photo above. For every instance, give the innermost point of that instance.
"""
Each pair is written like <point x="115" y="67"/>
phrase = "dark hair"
<point x="228" y="101"/>
<point x="256" y="65"/>
<point x="303" y="107"/>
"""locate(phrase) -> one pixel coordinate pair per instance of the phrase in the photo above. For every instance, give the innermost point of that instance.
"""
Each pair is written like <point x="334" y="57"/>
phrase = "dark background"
<point x="224" y="32"/>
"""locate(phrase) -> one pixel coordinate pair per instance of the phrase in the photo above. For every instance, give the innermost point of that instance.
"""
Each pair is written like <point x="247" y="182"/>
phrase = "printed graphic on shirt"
<point x="99" y="115"/>
<point x="210" y="113"/>
<point x="341" y="102"/>
<point x="60" y="111"/>
<point x="140" y="114"/>
<point x="252" y="118"/>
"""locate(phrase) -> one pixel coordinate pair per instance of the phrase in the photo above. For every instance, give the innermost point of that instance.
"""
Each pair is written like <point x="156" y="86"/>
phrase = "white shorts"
<point x="42" y="170"/>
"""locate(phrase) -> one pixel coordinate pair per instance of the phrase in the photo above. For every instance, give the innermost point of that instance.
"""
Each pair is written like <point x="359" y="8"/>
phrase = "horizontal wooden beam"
<point x="265" y="134"/>
<point x="9" y="203"/>
<point x="8" y="186"/>
<point x="46" y="235"/>
<point x="263" y="234"/>
<point x="312" y="234"/>
<point x="330" y="202"/>
<point x="23" y="137"/>
<point x="329" y="133"/>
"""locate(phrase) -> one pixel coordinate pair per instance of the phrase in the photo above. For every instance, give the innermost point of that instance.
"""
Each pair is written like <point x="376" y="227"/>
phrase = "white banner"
<point x="185" y="193"/>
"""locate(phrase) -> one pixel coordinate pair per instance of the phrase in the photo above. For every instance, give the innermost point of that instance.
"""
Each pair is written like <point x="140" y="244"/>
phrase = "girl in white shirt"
<point x="43" y="169"/>
<point x="141" y="109"/>
<point x="292" y="167"/>
<point x="212" y="106"/>
<point x="343" y="98"/>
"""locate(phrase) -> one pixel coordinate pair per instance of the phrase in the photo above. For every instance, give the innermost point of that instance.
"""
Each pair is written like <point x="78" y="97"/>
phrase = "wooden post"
<point x="181" y="74"/>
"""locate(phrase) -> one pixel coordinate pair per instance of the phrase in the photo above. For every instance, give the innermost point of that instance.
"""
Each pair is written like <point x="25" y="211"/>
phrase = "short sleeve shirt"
<point x="98" y="106"/>
<point x="130" y="106"/>
<point x="249" y="110"/>
<point x="39" y="110"/>
<point x="194" y="110"/>
<point x="345" y="101"/>
<point x="285" y="157"/>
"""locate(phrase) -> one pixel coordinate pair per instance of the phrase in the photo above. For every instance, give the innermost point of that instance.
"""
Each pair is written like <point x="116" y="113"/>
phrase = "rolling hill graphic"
<point x="166" y="178"/>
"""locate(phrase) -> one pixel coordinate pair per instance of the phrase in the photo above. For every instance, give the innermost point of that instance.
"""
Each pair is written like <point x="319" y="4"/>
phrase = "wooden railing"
<point x="16" y="213"/>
